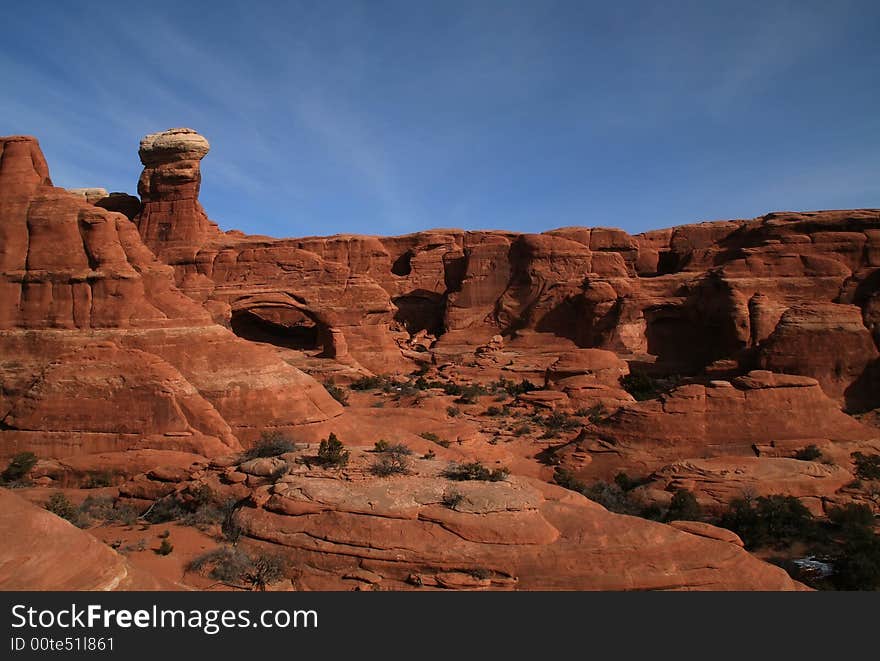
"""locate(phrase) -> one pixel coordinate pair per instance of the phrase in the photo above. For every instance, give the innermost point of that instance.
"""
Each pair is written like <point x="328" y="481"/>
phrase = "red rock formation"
<point x="43" y="552"/>
<point x="90" y="320"/>
<point x="829" y="342"/>
<point x="690" y="296"/>
<point x="723" y="418"/>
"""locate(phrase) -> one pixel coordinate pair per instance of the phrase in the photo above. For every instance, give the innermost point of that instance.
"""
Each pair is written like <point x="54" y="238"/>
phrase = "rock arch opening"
<point x="280" y="326"/>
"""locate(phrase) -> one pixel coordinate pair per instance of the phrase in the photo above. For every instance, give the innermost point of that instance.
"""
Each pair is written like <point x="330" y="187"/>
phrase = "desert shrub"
<point x="332" y="453"/>
<point x="107" y="508"/>
<point x="555" y="423"/>
<point x="235" y="566"/>
<point x="453" y="411"/>
<point x="852" y="518"/>
<point x="625" y="482"/>
<point x="205" y="515"/>
<point x="640" y="386"/>
<point x="390" y="463"/>
<point x="494" y="411"/>
<point x="522" y="430"/>
<point x="565" y="478"/>
<point x="809" y="453"/>
<point x="594" y="414"/>
<point x="222" y="564"/>
<point x="337" y="393"/>
<point x="512" y="387"/>
<point x="264" y="570"/>
<point x="451" y="388"/>
<point x="271" y="444"/>
<point x="858" y="566"/>
<point x="867" y="465"/>
<point x="229" y="527"/>
<point x="370" y="383"/>
<point x="452" y="499"/>
<point x="165" y="548"/>
<point x="380" y="446"/>
<point x="684" y="507"/>
<point x="164" y="510"/>
<point x="769" y="520"/>
<point x="61" y="506"/>
<point x="196" y="506"/>
<point x="470" y="394"/>
<point x="19" y="466"/>
<point x="431" y="436"/>
<point x="612" y="498"/>
<point x="430" y="454"/>
<point x="475" y="471"/>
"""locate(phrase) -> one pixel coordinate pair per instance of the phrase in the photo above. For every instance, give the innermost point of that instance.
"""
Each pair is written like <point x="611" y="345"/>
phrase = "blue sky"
<point x="391" y="117"/>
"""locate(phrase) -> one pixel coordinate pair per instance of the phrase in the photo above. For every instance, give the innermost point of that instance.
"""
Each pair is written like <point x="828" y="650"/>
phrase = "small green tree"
<point x="19" y="466"/>
<point x="684" y="507"/>
<point x="867" y="465"/>
<point x="331" y="452"/>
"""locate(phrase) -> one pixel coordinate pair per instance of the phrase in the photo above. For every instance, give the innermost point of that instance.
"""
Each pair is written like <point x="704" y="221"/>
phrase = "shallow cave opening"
<point x="402" y="265"/>
<point x="421" y="310"/>
<point x="282" y="327"/>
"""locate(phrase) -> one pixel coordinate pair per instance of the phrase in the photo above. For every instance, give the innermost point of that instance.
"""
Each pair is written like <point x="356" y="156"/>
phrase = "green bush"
<point x="370" y="383"/>
<point x="809" y="453"/>
<point x="566" y="479"/>
<point x="852" y="518"/>
<point x="390" y="464"/>
<point x="471" y="393"/>
<point x="475" y="471"/>
<point x="431" y="436"/>
<point x="271" y="444"/>
<point x="19" y="466"/>
<point x="857" y="566"/>
<point x="684" y="507"/>
<point x="331" y="452"/>
<point x="769" y="521"/>
<point x="59" y="505"/>
<point x="107" y="508"/>
<point x="453" y="411"/>
<point x="511" y="387"/>
<point x="867" y="465"/>
<point x="165" y="548"/>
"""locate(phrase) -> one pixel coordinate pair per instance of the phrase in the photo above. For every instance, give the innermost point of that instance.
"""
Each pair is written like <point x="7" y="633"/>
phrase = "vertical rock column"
<point x="172" y="222"/>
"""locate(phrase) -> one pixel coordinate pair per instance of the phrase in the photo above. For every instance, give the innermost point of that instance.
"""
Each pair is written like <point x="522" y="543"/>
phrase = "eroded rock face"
<point x="99" y="349"/>
<point x="691" y="296"/>
<point x="829" y="342"/>
<point x="724" y="418"/>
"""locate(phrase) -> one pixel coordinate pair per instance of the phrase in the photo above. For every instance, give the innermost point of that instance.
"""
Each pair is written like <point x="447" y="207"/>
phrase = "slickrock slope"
<point x="43" y="552"/>
<point x="100" y="351"/>
<point x="342" y="529"/>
